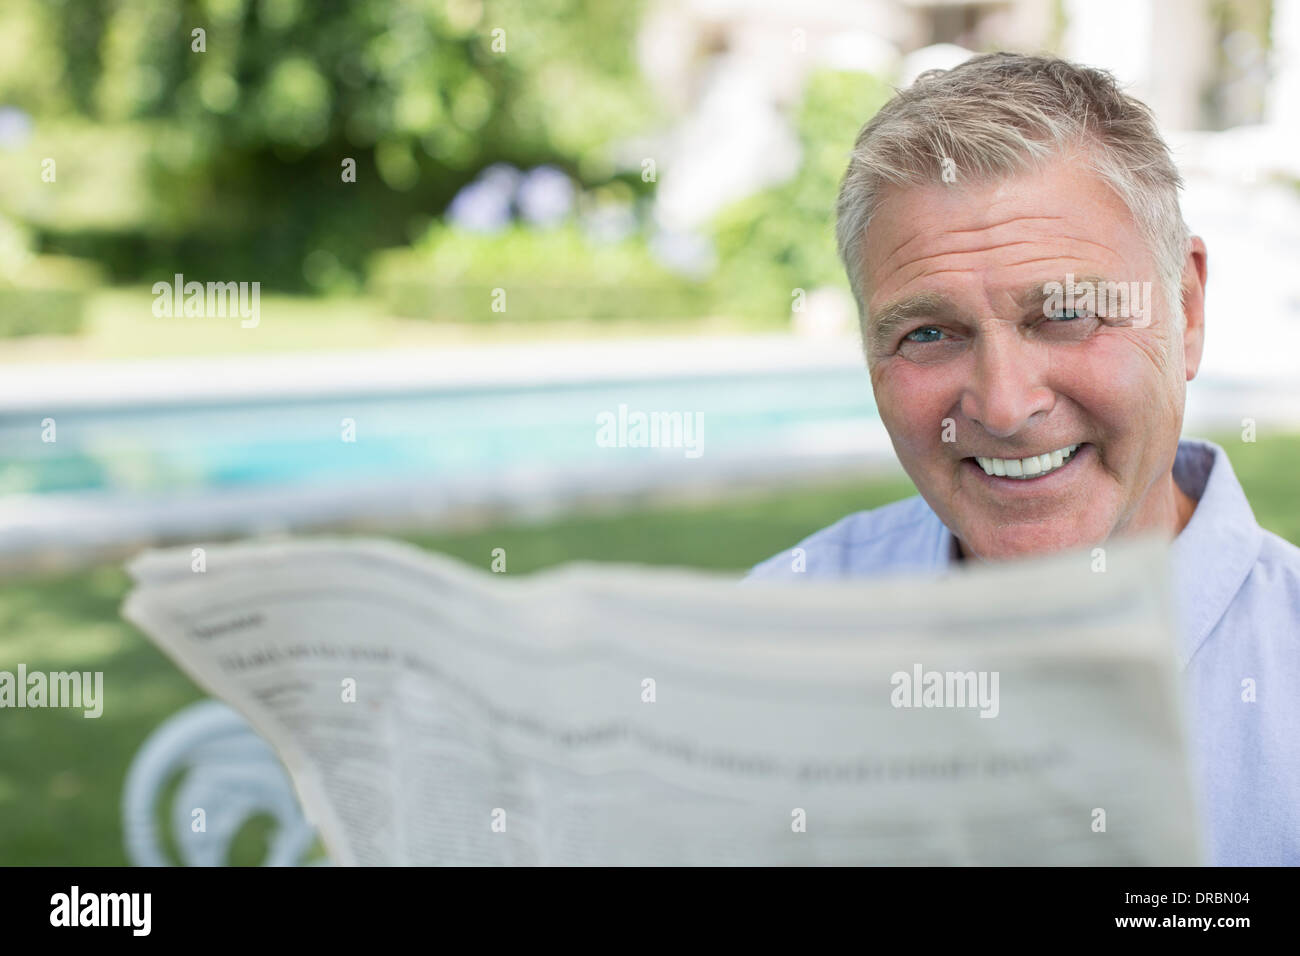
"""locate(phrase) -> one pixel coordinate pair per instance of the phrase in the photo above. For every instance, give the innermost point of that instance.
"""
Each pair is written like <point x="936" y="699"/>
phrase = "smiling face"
<point x="966" y="365"/>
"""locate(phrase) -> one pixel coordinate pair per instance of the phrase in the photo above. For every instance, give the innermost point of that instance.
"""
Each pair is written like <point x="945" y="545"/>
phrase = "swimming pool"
<point x="432" y="435"/>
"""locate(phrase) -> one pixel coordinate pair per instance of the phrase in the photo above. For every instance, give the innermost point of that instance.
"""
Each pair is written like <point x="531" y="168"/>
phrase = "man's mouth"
<point x="1035" y="466"/>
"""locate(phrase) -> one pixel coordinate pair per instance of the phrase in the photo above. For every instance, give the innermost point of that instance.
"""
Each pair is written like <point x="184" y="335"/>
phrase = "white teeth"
<point x="1029" y="467"/>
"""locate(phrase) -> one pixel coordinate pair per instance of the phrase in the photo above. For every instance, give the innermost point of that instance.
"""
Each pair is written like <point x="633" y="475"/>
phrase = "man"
<point x="1032" y="307"/>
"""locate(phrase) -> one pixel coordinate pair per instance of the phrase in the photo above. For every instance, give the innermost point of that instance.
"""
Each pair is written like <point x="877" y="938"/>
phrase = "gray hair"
<point x="1002" y="113"/>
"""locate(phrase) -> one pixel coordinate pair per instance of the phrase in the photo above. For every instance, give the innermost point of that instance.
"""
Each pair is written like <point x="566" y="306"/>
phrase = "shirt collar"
<point x="1216" y="551"/>
<point x="1211" y="557"/>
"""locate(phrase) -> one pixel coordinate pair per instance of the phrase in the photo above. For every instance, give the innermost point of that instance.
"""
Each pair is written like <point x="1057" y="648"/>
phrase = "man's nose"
<point x="1007" y="392"/>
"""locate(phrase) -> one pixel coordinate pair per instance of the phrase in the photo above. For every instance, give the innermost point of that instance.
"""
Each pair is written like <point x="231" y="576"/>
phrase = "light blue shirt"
<point x="1238" y="591"/>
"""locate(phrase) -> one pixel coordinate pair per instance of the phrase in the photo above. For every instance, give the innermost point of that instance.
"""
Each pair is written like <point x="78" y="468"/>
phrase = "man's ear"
<point x="1193" y="292"/>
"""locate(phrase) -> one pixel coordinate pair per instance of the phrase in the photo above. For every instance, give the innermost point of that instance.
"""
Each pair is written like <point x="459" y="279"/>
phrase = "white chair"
<point x="230" y="773"/>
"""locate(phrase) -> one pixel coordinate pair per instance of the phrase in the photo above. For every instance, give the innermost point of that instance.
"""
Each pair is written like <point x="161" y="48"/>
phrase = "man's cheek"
<point x="917" y="406"/>
<point x="1114" y="385"/>
<point x="916" y="433"/>
<point x="1130" y="361"/>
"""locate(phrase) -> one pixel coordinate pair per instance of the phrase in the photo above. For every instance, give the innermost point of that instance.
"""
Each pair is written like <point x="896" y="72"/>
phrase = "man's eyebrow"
<point x="1036" y="298"/>
<point x="927" y="305"/>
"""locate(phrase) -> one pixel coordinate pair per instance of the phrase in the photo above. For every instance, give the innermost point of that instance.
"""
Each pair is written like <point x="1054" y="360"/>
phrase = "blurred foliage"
<point x="783" y="238"/>
<point x="228" y="161"/>
<point x="41" y="311"/>
<point x="546" y="275"/>
<point x="768" y="244"/>
<point x="1237" y="91"/>
<point x="40" y="294"/>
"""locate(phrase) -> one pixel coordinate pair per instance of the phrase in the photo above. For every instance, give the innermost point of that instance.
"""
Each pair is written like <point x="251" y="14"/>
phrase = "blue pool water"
<point x="447" y="435"/>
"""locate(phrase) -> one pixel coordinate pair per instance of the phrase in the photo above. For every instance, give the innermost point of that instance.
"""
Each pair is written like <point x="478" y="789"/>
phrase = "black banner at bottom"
<point x="229" y="906"/>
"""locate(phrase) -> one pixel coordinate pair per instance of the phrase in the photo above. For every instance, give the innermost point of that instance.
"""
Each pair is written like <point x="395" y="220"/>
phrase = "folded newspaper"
<point x="433" y="713"/>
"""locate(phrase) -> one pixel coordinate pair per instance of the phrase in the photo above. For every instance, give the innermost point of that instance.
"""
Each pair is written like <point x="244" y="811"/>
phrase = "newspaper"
<point x="433" y="713"/>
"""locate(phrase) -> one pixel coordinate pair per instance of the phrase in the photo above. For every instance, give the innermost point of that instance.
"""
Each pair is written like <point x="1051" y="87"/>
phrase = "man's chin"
<point x="1008" y="544"/>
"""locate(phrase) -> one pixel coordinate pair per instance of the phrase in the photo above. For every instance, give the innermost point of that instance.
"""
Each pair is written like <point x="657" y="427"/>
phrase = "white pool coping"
<point x="38" y="388"/>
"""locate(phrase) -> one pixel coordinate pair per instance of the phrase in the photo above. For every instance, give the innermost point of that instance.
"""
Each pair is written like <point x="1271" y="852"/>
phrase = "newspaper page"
<point x="433" y="713"/>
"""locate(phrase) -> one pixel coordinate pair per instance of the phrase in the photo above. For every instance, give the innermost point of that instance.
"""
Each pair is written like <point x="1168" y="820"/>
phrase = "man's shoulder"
<point x="895" y="536"/>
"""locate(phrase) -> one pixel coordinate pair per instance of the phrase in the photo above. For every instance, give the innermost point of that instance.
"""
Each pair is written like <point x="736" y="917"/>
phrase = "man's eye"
<point x="1066" y="315"/>
<point x="927" y="334"/>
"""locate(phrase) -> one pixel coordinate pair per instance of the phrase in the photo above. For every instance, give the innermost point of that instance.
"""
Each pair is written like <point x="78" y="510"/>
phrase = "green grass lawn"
<point x="61" y="775"/>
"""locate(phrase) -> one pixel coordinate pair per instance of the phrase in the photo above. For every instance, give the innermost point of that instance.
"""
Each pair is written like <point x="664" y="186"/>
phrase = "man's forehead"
<point x="1022" y="215"/>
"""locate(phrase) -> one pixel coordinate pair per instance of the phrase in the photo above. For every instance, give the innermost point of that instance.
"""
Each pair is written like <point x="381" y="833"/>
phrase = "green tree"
<point x="229" y="159"/>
